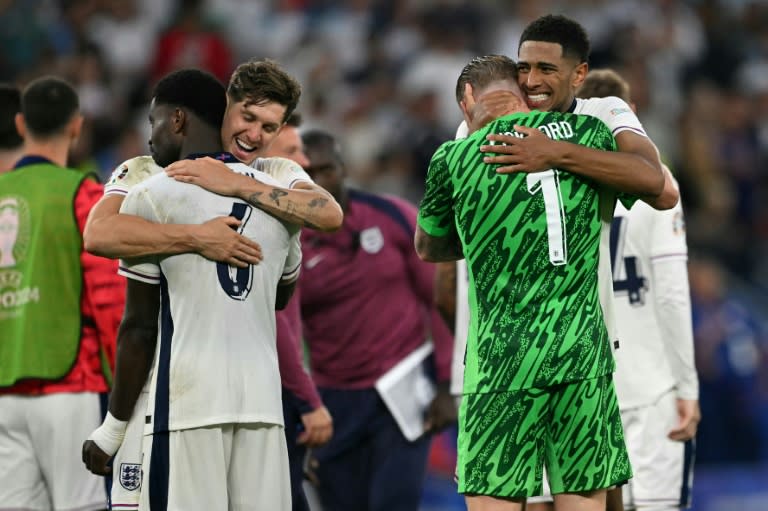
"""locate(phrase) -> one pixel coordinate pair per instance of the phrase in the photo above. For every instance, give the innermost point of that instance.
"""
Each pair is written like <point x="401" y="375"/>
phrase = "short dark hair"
<point x="482" y="71"/>
<point x="261" y="81"/>
<point x="47" y="105"/>
<point x="601" y="83"/>
<point x="554" y="28"/>
<point x="318" y="140"/>
<point x="10" y="105"/>
<point x="196" y="90"/>
<point x="294" y="120"/>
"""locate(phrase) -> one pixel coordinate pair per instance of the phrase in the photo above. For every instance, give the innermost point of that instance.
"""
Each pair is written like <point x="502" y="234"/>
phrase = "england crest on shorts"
<point x="130" y="476"/>
<point x="372" y="240"/>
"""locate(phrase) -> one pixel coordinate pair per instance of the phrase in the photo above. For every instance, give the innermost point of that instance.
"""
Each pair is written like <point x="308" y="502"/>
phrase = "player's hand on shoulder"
<point x="206" y="172"/>
<point x="533" y="152"/>
<point x="689" y="416"/>
<point x="96" y="460"/>
<point x="318" y="427"/>
<point x="441" y="412"/>
<point x="217" y="240"/>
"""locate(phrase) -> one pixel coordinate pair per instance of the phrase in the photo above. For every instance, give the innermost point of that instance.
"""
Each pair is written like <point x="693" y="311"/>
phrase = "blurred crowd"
<point x="381" y="74"/>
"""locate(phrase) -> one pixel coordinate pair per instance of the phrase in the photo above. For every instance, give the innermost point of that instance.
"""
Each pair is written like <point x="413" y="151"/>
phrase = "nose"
<point x="254" y="133"/>
<point x="532" y="79"/>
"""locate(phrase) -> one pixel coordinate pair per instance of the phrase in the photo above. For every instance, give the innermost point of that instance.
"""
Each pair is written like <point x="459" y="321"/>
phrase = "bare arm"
<point x="284" y="294"/>
<point x="634" y="169"/>
<point x="445" y="292"/>
<point x="111" y="234"/>
<point x="437" y="249"/>
<point x="136" y="340"/>
<point x="306" y="205"/>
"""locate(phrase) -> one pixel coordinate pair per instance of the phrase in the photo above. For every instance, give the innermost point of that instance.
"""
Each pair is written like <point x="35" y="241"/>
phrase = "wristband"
<point x="109" y="436"/>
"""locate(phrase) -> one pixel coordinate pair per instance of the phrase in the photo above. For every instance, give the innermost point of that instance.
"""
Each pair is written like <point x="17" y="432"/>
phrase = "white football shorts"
<point x="41" y="439"/>
<point x="235" y="467"/>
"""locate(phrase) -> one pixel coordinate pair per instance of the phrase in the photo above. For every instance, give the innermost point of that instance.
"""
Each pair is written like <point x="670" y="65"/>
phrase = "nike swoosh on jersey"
<point x="314" y="261"/>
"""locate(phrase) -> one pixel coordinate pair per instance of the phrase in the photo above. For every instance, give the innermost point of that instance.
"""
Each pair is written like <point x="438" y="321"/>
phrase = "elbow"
<point x="92" y="243"/>
<point x="422" y="250"/>
<point x="333" y="220"/>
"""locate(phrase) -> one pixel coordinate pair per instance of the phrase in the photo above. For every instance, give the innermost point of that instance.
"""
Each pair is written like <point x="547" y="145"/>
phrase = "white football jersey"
<point x="132" y="172"/>
<point x="618" y="116"/>
<point x="461" y="329"/>
<point x="641" y="238"/>
<point x="216" y="360"/>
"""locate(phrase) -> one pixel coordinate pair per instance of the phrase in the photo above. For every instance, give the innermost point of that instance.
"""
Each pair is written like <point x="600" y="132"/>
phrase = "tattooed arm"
<point x="436" y="249"/>
<point x="306" y="204"/>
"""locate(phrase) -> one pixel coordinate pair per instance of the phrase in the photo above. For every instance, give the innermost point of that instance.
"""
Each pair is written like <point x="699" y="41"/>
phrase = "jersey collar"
<point x="572" y="108"/>
<point x="221" y="156"/>
<point x="32" y="160"/>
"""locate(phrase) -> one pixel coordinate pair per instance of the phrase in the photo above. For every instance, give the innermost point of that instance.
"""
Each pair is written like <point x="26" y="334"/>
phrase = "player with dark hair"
<point x="308" y="423"/>
<point x="297" y="200"/>
<point x="11" y="143"/>
<point x="356" y="337"/>
<point x="552" y="63"/>
<point x="215" y="391"/>
<point x="59" y="323"/>
<point x="537" y="384"/>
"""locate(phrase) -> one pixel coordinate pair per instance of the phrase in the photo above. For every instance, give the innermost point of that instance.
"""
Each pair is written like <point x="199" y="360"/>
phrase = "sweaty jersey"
<point x="216" y="359"/>
<point x="645" y="245"/>
<point x="532" y="242"/>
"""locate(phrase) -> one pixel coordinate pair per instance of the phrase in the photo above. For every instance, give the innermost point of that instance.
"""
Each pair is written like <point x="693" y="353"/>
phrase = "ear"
<point x="21" y="126"/>
<point x="178" y="121"/>
<point x="75" y="126"/>
<point x="579" y="74"/>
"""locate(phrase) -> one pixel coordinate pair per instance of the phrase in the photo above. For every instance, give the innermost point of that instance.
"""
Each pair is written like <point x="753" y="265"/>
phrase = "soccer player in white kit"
<point x="656" y="380"/>
<point x="214" y="410"/>
<point x="248" y="120"/>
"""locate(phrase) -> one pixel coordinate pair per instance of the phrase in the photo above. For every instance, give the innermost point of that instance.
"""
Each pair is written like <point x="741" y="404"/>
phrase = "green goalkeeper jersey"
<point x="534" y="243"/>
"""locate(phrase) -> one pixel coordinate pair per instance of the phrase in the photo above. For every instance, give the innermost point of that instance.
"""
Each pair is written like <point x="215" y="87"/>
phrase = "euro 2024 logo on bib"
<point x="15" y="232"/>
<point x="372" y="240"/>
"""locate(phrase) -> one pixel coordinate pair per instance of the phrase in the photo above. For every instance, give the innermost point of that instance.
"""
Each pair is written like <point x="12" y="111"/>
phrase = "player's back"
<point x="641" y="237"/>
<point x="532" y="244"/>
<point x="216" y="361"/>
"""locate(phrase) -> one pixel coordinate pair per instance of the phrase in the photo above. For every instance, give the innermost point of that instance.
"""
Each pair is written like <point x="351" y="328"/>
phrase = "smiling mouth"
<point x="244" y="147"/>
<point x="537" y="98"/>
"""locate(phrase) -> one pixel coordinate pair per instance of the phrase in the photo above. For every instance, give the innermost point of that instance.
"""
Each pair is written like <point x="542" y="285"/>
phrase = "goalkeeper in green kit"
<point x="538" y="390"/>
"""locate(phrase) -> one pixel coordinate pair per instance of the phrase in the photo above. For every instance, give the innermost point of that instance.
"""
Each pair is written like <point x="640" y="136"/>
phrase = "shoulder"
<point x="284" y="170"/>
<point x="130" y="173"/>
<point x="396" y="209"/>
<point x="255" y="173"/>
<point x="599" y="107"/>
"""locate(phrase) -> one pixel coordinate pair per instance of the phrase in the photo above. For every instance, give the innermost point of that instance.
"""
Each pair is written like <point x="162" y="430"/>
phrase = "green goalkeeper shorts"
<point x="505" y="438"/>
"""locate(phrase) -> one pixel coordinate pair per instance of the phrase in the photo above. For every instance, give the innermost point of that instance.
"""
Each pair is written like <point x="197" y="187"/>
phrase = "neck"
<point x="201" y="141"/>
<point x="343" y="198"/>
<point x="9" y="157"/>
<point x="55" y="149"/>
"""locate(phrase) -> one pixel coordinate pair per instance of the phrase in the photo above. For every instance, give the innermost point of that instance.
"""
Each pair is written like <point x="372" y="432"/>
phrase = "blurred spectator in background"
<point x="732" y="359"/>
<point x="11" y="143"/>
<point x="191" y="42"/>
